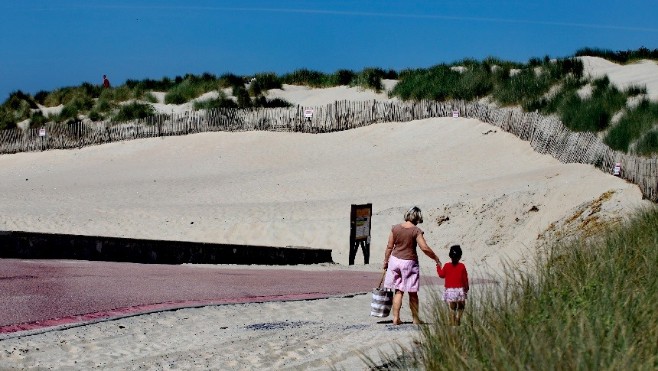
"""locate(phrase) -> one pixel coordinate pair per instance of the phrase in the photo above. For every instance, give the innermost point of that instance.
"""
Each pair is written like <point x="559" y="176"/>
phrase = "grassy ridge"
<point x="588" y="306"/>
<point x="549" y="86"/>
<point x="98" y="103"/>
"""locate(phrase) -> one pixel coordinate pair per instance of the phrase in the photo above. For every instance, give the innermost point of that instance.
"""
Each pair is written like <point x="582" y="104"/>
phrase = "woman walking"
<point x="401" y="262"/>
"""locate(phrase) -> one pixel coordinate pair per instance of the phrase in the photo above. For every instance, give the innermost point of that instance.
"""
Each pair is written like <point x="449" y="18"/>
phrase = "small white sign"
<point x="42" y="132"/>
<point x="308" y="113"/>
<point x="455" y="113"/>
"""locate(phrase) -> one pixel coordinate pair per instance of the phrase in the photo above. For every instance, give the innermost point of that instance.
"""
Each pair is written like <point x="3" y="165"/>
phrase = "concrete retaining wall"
<point x="31" y="245"/>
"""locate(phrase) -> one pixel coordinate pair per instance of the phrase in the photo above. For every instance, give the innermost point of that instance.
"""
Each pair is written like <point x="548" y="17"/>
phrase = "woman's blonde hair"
<point x="414" y="215"/>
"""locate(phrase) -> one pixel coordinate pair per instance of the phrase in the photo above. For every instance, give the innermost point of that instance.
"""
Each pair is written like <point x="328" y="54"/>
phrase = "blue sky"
<point x="47" y="44"/>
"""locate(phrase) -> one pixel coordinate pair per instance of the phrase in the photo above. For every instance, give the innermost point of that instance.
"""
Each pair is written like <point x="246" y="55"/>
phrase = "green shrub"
<point x="229" y="80"/>
<point x="96" y="116"/>
<point x="342" y="78"/>
<point x="565" y="67"/>
<point x="441" y="82"/>
<point x="419" y="84"/>
<point x="592" y="114"/>
<point x="370" y="78"/>
<point x="215" y="103"/>
<point x="242" y="95"/>
<point x="78" y="104"/>
<point x="116" y="95"/>
<point x="90" y="90"/>
<point x="220" y="102"/>
<point x="19" y="101"/>
<point x="69" y="111"/>
<point x="648" y="144"/>
<point x="163" y="84"/>
<point x="634" y="90"/>
<point x="632" y="126"/>
<point x="67" y="95"/>
<point x="183" y="93"/>
<point x="266" y="81"/>
<point x="104" y="104"/>
<point x="38" y="119"/>
<point x="40" y="97"/>
<point x="191" y="87"/>
<point x="134" y="111"/>
<point x="305" y="77"/>
<point x="475" y="82"/>
<point x="255" y="89"/>
<point x="55" y="97"/>
<point x="261" y="101"/>
<point x="7" y="120"/>
<point x="149" y="97"/>
<point x="569" y="87"/>
<point x="529" y="87"/>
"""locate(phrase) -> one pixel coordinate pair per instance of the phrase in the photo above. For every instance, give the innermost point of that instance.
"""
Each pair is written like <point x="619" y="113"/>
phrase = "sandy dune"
<point x="477" y="185"/>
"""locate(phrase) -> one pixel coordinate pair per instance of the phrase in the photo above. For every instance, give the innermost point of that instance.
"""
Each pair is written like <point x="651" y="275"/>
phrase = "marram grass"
<point x="589" y="305"/>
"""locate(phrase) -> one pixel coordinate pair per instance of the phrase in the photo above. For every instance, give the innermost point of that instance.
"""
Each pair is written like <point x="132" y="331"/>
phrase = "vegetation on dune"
<point x="133" y="111"/>
<point x="548" y="86"/>
<point x="545" y="85"/>
<point x="620" y="56"/>
<point x="17" y="108"/>
<point x="191" y="87"/>
<point x="588" y="306"/>
<point x="638" y="123"/>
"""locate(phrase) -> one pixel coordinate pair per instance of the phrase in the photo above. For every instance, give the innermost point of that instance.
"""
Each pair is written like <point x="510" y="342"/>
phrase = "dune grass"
<point x="549" y="86"/>
<point x="636" y="124"/>
<point x="588" y="305"/>
<point x="189" y="88"/>
<point x="593" y="113"/>
<point x="620" y="56"/>
<point x="133" y="111"/>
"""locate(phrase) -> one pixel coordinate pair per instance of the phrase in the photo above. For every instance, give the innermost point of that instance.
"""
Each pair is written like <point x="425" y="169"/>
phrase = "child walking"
<point x="456" y="284"/>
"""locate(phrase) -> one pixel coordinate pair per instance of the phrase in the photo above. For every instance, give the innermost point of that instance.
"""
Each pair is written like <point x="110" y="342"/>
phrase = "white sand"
<point x="476" y="185"/>
<point x="640" y="74"/>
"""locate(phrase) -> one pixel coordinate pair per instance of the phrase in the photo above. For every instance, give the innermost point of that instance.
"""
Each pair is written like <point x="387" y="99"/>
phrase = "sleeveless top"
<point x="404" y="242"/>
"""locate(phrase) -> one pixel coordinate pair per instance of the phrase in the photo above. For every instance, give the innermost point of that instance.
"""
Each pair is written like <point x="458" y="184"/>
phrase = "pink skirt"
<point x="403" y="275"/>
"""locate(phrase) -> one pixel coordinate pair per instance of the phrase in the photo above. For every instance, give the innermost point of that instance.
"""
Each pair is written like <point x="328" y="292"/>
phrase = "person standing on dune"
<point x="401" y="262"/>
<point x="106" y="82"/>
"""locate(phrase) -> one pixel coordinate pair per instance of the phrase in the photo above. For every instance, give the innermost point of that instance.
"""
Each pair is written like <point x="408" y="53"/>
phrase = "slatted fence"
<point x="545" y="134"/>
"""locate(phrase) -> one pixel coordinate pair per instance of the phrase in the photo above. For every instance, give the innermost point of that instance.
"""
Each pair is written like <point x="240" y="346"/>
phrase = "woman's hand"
<point x="385" y="266"/>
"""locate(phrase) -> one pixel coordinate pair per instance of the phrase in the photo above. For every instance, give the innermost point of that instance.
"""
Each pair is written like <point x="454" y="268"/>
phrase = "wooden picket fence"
<point x="545" y="134"/>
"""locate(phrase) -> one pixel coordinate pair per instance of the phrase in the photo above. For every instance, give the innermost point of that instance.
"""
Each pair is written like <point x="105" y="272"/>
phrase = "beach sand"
<point x="476" y="185"/>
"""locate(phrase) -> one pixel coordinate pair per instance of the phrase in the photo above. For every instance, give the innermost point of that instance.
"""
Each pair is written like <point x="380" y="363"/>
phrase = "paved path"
<point x="39" y="294"/>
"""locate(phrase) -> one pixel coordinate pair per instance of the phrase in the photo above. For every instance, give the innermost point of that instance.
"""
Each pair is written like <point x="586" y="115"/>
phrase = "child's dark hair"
<point x="455" y="253"/>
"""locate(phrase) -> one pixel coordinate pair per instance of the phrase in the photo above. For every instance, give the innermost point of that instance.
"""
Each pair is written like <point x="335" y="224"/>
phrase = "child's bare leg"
<point x="397" y="304"/>
<point x="453" y="312"/>
<point x="413" y="304"/>
<point x="460" y="311"/>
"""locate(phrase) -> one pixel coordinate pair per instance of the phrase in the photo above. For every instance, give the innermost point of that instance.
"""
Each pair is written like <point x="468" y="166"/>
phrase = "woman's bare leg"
<point x="397" y="304"/>
<point x="413" y="304"/>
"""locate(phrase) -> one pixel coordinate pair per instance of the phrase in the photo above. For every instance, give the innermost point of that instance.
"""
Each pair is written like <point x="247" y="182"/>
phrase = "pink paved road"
<point x="38" y="294"/>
